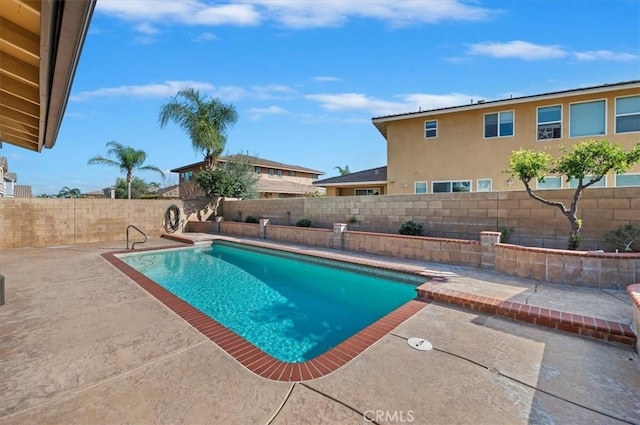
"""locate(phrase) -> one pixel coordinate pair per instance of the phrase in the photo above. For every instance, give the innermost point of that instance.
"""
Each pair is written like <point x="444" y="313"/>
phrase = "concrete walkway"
<point x="81" y="343"/>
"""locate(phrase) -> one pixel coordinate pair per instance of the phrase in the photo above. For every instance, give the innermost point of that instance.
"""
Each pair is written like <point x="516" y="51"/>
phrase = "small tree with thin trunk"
<point x="586" y="163"/>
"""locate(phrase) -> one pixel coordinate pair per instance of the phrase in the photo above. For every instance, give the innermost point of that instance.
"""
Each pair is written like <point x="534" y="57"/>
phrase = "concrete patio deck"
<point x="81" y="343"/>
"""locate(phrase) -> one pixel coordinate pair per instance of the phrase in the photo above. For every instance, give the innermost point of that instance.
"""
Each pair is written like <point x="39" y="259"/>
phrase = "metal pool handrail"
<point x="138" y="242"/>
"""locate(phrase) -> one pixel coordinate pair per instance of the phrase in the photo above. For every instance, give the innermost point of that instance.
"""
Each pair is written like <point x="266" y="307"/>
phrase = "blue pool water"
<point x="291" y="308"/>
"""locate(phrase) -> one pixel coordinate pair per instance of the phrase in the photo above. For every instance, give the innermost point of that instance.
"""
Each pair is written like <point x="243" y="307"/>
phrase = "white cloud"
<point x="292" y="14"/>
<point x="205" y="36"/>
<point x="147" y="29"/>
<point x="188" y="12"/>
<point x="326" y="79"/>
<point x="374" y="106"/>
<point x="592" y="55"/>
<point x="167" y="88"/>
<point x="517" y="49"/>
<point x="170" y="88"/>
<point x="256" y="113"/>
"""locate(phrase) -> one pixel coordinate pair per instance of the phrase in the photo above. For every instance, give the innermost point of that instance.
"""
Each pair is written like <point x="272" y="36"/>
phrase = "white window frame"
<point x="272" y="173"/>
<point x="625" y="174"/>
<point x="367" y="190"/>
<point x="603" y="180"/>
<point x="451" y="185"/>
<point x="615" y="105"/>
<point x="426" y="187"/>
<point x="606" y="124"/>
<point x="538" y="123"/>
<point x="430" y="129"/>
<point x="550" y="188"/>
<point x="279" y="174"/>
<point x="498" y="136"/>
<point x="478" y="185"/>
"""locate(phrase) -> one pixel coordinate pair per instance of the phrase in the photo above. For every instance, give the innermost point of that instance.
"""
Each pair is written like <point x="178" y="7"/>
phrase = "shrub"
<point x="505" y="234"/>
<point x="411" y="228"/>
<point x="251" y="219"/>
<point x="352" y="220"/>
<point x="303" y="222"/>
<point x="625" y="237"/>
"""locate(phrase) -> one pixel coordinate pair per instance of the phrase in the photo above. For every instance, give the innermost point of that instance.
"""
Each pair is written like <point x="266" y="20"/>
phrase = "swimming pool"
<point x="294" y="308"/>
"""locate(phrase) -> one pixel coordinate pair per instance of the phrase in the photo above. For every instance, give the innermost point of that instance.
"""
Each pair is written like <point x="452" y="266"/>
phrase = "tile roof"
<point x="372" y="175"/>
<point x="22" y="191"/>
<point x="255" y="161"/>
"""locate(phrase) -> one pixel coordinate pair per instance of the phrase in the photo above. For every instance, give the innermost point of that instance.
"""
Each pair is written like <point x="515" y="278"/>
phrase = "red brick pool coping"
<point x="592" y="327"/>
<point x="252" y="357"/>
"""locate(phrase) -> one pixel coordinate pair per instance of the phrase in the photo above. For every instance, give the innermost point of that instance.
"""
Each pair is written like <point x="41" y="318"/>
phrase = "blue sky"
<point x="307" y="76"/>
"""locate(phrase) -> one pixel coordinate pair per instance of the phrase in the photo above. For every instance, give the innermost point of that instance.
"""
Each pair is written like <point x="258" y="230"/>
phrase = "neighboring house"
<point x="8" y="181"/>
<point x="276" y="180"/>
<point x="22" y="191"/>
<point x="466" y="148"/>
<point x="366" y="182"/>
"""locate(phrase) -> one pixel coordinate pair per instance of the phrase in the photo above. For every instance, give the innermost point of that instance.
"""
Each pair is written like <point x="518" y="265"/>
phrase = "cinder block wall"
<point x="37" y="222"/>
<point x="460" y="215"/>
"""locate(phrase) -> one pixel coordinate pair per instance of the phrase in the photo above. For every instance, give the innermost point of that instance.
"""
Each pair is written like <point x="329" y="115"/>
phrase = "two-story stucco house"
<point x="275" y="179"/>
<point x="466" y="148"/>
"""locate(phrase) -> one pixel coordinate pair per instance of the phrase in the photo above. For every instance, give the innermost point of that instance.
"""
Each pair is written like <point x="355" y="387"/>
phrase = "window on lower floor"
<point x="430" y="129"/>
<point x="627" y="114"/>
<point x="550" y="182"/>
<point x="550" y="122"/>
<point x="499" y="124"/>
<point x="484" y="185"/>
<point x="573" y="183"/>
<point x="451" y="186"/>
<point x="587" y="118"/>
<point x="361" y="192"/>
<point x="420" y="187"/>
<point x="628" y="180"/>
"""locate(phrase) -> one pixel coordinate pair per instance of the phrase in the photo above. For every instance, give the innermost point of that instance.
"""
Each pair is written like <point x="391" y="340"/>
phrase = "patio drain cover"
<point x="420" y="344"/>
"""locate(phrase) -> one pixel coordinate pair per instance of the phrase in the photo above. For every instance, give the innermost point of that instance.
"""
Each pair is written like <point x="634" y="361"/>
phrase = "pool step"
<point x="592" y="327"/>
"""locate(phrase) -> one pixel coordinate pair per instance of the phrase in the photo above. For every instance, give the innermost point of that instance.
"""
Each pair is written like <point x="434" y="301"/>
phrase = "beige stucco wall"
<point x="42" y="222"/>
<point x="459" y="215"/>
<point x="460" y="151"/>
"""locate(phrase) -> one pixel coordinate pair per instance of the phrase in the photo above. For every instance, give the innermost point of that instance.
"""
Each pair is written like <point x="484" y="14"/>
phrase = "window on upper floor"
<point x="550" y="122"/>
<point x="484" y="185"/>
<point x="573" y="183"/>
<point x="451" y="186"/>
<point x="186" y="176"/>
<point x="627" y="114"/>
<point x="272" y="172"/>
<point x="628" y="180"/>
<point x="499" y="124"/>
<point x="292" y="173"/>
<point x="430" y="129"/>
<point x="279" y="174"/>
<point x="587" y="118"/>
<point x="420" y="187"/>
<point x="362" y="192"/>
<point x="258" y="170"/>
<point x="550" y="182"/>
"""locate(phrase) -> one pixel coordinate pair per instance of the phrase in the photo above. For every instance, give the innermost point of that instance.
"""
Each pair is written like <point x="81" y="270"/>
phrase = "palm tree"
<point x="206" y="121"/>
<point x="343" y="171"/>
<point x="67" y="192"/>
<point x="127" y="159"/>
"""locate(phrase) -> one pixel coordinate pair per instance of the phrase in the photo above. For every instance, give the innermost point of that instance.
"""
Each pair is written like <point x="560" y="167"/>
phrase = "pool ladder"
<point x="138" y="242"/>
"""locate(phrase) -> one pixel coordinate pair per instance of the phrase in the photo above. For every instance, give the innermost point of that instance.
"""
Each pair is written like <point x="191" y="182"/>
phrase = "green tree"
<point x="586" y="163"/>
<point x="127" y="159"/>
<point x="136" y="189"/>
<point x="67" y="192"/>
<point x="234" y="179"/>
<point x="205" y="120"/>
<point x="343" y="171"/>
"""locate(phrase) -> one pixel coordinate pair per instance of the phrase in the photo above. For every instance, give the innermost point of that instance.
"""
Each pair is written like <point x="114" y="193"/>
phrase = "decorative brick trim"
<point x="421" y="238"/>
<point x="252" y="357"/>
<point x="592" y="327"/>
<point x="591" y="254"/>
